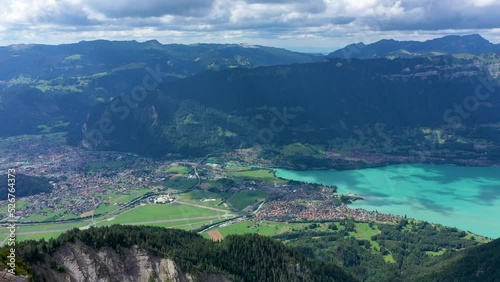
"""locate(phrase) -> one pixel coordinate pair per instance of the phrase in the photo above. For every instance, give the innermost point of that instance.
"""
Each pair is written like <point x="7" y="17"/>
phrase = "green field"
<point x="270" y="228"/>
<point x="105" y="208"/>
<point x="299" y="149"/>
<point x="244" y="173"/>
<point x="125" y="198"/>
<point x="48" y="214"/>
<point x="45" y="236"/>
<point x="195" y="196"/>
<point x="186" y="224"/>
<point x="363" y="231"/>
<point x="434" y="254"/>
<point x="201" y="194"/>
<point x="241" y="200"/>
<point x="180" y="183"/>
<point x="226" y="195"/>
<point x="389" y="258"/>
<point x="184" y="170"/>
<point x="22" y="204"/>
<point x="52" y="226"/>
<point x="266" y="228"/>
<point x="54" y="230"/>
<point x="104" y="165"/>
<point x="45" y="227"/>
<point x="140" y="214"/>
<point x="112" y="201"/>
<point x="160" y="212"/>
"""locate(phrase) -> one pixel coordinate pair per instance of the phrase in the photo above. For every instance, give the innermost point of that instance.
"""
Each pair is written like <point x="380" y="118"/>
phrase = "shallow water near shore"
<point x="464" y="197"/>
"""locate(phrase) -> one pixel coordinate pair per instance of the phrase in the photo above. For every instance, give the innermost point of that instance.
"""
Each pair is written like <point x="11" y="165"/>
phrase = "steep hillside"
<point x="140" y="253"/>
<point x="479" y="264"/>
<point x="378" y="100"/>
<point x="125" y="253"/>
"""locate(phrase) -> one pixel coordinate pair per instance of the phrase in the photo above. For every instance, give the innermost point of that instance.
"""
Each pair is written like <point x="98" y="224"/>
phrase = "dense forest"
<point x="476" y="264"/>
<point x="306" y="256"/>
<point x="411" y="247"/>
<point x="242" y="258"/>
<point x="315" y="103"/>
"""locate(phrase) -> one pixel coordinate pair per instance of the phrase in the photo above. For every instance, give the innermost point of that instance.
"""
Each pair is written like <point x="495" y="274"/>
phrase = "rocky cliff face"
<point x="5" y="276"/>
<point x="79" y="262"/>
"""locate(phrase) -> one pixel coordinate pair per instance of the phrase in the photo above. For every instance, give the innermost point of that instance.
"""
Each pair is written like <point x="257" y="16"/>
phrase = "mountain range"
<point x="41" y="85"/>
<point x="389" y="48"/>
<point x="325" y="104"/>
<point x="221" y="97"/>
<point x="91" y="58"/>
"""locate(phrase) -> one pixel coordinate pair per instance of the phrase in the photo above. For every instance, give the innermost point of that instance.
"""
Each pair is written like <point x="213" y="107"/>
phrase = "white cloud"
<point x="150" y="8"/>
<point x="482" y="3"/>
<point x="288" y="23"/>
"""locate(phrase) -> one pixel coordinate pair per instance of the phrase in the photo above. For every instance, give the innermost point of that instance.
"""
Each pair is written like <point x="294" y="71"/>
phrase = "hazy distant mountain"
<point x="453" y="44"/>
<point x="42" y="87"/>
<point x="96" y="58"/>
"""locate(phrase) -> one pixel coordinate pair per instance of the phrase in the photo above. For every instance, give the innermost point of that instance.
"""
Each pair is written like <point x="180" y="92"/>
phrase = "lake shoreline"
<point x="379" y="164"/>
<point x="464" y="197"/>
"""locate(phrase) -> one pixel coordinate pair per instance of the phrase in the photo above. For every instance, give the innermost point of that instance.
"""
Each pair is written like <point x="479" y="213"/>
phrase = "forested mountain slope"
<point x="126" y="253"/>
<point x="140" y="253"/>
<point x="311" y="103"/>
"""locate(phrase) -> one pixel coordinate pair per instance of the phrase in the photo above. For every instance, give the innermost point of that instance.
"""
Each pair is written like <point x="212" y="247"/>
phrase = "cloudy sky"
<point x="304" y="25"/>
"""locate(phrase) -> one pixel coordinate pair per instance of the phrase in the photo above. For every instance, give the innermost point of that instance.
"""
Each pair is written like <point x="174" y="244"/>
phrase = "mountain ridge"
<point x="102" y="55"/>
<point x="389" y="48"/>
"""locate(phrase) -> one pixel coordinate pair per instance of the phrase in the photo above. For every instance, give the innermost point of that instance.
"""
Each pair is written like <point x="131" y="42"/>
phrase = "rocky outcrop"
<point x="79" y="262"/>
<point x="5" y="276"/>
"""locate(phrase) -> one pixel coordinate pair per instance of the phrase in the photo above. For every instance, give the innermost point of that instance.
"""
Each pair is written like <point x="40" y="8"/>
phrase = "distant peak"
<point x="153" y="42"/>
<point x="246" y="45"/>
<point x="474" y="36"/>
<point x="98" y="41"/>
<point x="19" y="47"/>
<point x="450" y="44"/>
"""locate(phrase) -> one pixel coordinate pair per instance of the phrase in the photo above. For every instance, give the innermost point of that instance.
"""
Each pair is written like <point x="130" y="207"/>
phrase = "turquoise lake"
<point x="464" y="197"/>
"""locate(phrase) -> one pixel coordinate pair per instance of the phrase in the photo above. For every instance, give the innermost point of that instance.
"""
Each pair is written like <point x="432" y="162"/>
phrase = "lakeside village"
<point x="84" y="181"/>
